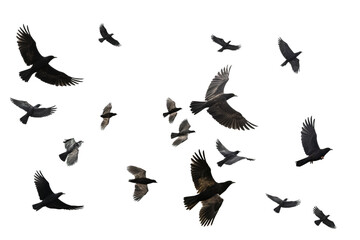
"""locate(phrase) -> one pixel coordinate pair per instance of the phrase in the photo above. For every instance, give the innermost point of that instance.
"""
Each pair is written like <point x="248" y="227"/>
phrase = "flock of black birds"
<point x="208" y="190"/>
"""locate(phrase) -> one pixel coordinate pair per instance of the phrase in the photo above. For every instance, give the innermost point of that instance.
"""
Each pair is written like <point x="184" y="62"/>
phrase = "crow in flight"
<point x="310" y="144"/>
<point x="283" y="203"/>
<point x="32" y="111"/>
<point x="72" y="151"/>
<point x="290" y="56"/>
<point x="108" y="37"/>
<point x="183" y="133"/>
<point x="106" y="116"/>
<point x="230" y="157"/>
<point x="208" y="189"/>
<point x="48" y="197"/>
<point x="323" y="218"/>
<point x="224" y="45"/>
<point x="172" y="110"/>
<point x="216" y="101"/>
<point x="141" y="182"/>
<point x="40" y="64"/>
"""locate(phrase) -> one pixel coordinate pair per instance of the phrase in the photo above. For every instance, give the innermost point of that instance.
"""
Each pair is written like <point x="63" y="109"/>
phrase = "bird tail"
<point x="302" y="162"/>
<point x="317" y="222"/>
<point x="190" y="202"/>
<point x="101" y="39"/>
<point x="250" y="159"/>
<point x="284" y="63"/>
<point x="196" y="106"/>
<point x="165" y="114"/>
<point x="221" y="163"/>
<point x="37" y="206"/>
<point x="26" y="74"/>
<point x="221" y="49"/>
<point x="277" y="209"/>
<point x="24" y="118"/>
<point x="174" y="135"/>
<point x="63" y="156"/>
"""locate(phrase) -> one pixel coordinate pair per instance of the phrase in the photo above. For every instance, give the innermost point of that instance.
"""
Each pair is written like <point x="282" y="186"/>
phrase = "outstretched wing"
<point x="233" y="47"/>
<point x="222" y="149"/>
<point x="58" y="204"/>
<point x="42" y="185"/>
<point x="217" y="85"/>
<point x="180" y="140"/>
<point x="285" y="49"/>
<point x="329" y="223"/>
<point x="103" y="30"/>
<point x="318" y="213"/>
<point x="137" y="172"/>
<point x="113" y="41"/>
<point x="43" y="112"/>
<point x="22" y="104"/>
<point x="219" y="41"/>
<point x="274" y="198"/>
<point x="295" y="64"/>
<point x="309" y="137"/>
<point x="27" y="46"/>
<point x="72" y="157"/>
<point x="52" y="76"/>
<point x="201" y="172"/>
<point x="209" y="210"/>
<point x="289" y="204"/>
<point x="170" y="104"/>
<point x="140" y="191"/>
<point x="184" y="126"/>
<point x="104" y="123"/>
<point x="107" y="109"/>
<point x="69" y="143"/>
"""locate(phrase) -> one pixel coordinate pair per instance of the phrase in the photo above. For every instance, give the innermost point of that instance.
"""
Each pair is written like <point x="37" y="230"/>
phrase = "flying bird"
<point x="224" y="45"/>
<point x="283" y="203"/>
<point x="108" y="37"/>
<point x="40" y="64"/>
<point x="48" y="197"/>
<point x="310" y="144"/>
<point x="290" y="56"/>
<point x="72" y="151"/>
<point x="106" y="116"/>
<point x="216" y="102"/>
<point x="141" y="182"/>
<point x="172" y="110"/>
<point x="182" y="135"/>
<point x="208" y="190"/>
<point x="323" y="218"/>
<point x="32" y="111"/>
<point x="230" y="157"/>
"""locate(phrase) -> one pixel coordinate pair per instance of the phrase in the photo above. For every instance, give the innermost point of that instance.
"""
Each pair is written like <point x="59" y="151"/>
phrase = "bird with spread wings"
<point x="141" y="182"/>
<point x="290" y="56"/>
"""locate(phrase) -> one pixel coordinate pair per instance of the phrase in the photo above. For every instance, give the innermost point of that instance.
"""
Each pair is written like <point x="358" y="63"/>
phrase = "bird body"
<point x="182" y="135"/>
<point x="141" y="182"/>
<point x="224" y="45"/>
<point x="323" y="218"/>
<point x="72" y="151"/>
<point x="289" y="55"/>
<point x="230" y="157"/>
<point x="283" y="203"/>
<point x="108" y="37"/>
<point x="172" y="110"/>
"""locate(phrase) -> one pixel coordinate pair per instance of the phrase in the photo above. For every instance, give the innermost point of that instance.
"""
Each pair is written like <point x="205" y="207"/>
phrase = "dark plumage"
<point x="208" y="189"/>
<point x="283" y="203"/>
<point x="108" y="37"/>
<point x="290" y="56"/>
<point x="32" y="111"/>
<point x="216" y="102"/>
<point x="230" y="157"/>
<point x="141" y="182"/>
<point x="224" y="45"/>
<point x="323" y="218"/>
<point x="106" y="116"/>
<point x="310" y="144"/>
<point x="48" y="197"/>
<point x="172" y="110"/>
<point x="40" y="64"/>
<point x="72" y="151"/>
<point x="184" y="131"/>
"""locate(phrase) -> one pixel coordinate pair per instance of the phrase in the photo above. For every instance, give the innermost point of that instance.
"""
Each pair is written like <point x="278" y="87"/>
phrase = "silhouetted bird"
<point x="310" y="144"/>
<point x="141" y="182"/>
<point x="208" y="189"/>
<point x="219" y="109"/>
<point x="72" y="151"/>
<point x="290" y="56"/>
<point x="224" y="45"/>
<point x="106" y="116"/>
<point x="40" y="64"/>
<point x="108" y="37"/>
<point x="323" y="218"/>
<point x="48" y="197"/>
<point x="32" y="111"/>
<point x="283" y="203"/>
<point x="183" y="133"/>
<point x="172" y="110"/>
<point x="230" y="157"/>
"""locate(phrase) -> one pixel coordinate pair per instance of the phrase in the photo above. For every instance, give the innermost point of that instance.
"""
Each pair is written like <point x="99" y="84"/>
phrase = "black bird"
<point x="310" y="144"/>
<point x="108" y="37"/>
<point x="290" y="56"/>
<point x="283" y="203"/>
<point x="208" y="189"/>
<point x="224" y="45"/>
<point x="48" y="197"/>
<point x="106" y="116"/>
<point x="323" y="218"/>
<point x="172" y="110"/>
<point x="183" y="133"/>
<point x="72" y="151"/>
<point x="141" y="182"/>
<point x="230" y="157"/>
<point x="219" y="109"/>
<point x="40" y="64"/>
<point x="32" y="111"/>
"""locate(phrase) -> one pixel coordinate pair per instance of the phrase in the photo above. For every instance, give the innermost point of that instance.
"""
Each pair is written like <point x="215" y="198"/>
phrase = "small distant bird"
<point x="40" y="64"/>
<point x="108" y="37"/>
<point x="106" y="116"/>
<point x="290" y="56"/>
<point x="219" y="109"/>
<point x="172" y="110"/>
<point x="32" y="111"/>
<point x="283" y="203"/>
<point x="230" y="157"/>
<point x="323" y="218"/>
<point x="208" y="189"/>
<point x="184" y="131"/>
<point x="310" y="144"/>
<point x="141" y="182"/>
<point x="224" y="45"/>
<point x="72" y="151"/>
<point x="48" y="197"/>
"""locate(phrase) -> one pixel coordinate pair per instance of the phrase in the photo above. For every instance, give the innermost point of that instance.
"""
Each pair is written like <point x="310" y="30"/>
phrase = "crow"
<point x="230" y="157"/>
<point x="72" y="151"/>
<point x="40" y="64"/>
<point x="141" y="182"/>
<point x="283" y="203"/>
<point x="208" y="189"/>
<point x="32" y="111"/>
<point x="219" y="109"/>
<point x="48" y="197"/>
<point x="290" y="56"/>
<point x="183" y="133"/>
<point x="106" y="116"/>
<point x="172" y="110"/>
<point x="323" y="218"/>
<point x="108" y="37"/>
<point x="310" y="144"/>
<point x="224" y="45"/>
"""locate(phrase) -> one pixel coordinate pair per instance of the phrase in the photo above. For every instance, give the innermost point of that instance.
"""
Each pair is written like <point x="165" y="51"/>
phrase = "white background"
<point x="167" y="52"/>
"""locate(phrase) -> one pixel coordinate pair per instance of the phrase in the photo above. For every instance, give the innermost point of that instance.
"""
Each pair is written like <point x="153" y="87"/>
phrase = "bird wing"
<point x="295" y="65"/>
<point x="27" y="46"/>
<point x="69" y="143"/>
<point x="58" y="204"/>
<point x="329" y="223"/>
<point x="42" y="185"/>
<point x="107" y="109"/>
<point x="309" y="137"/>
<point x="113" y="41"/>
<point x="43" y="112"/>
<point x="233" y="47"/>
<point x="52" y="76"/>
<point x="285" y="49"/>
<point x="275" y="199"/>
<point x="72" y="157"/>
<point x="137" y="172"/>
<point x="209" y="209"/>
<point x="103" y="30"/>
<point x="318" y="213"/>
<point x="172" y="117"/>
<point x="222" y="149"/>
<point x="180" y="139"/>
<point x="219" y="41"/>
<point x="140" y="191"/>
<point x="201" y="172"/>
<point x="289" y="204"/>
<point x="104" y="123"/>
<point x="22" y="104"/>
<point x="218" y="83"/>
<point x="170" y="104"/>
<point x="184" y="126"/>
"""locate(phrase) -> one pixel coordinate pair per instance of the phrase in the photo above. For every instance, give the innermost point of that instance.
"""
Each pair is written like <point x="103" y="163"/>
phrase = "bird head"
<point x="79" y="143"/>
<point x="37" y="105"/>
<point x="153" y="181"/>
<point x="236" y="152"/>
<point x="229" y="95"/>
